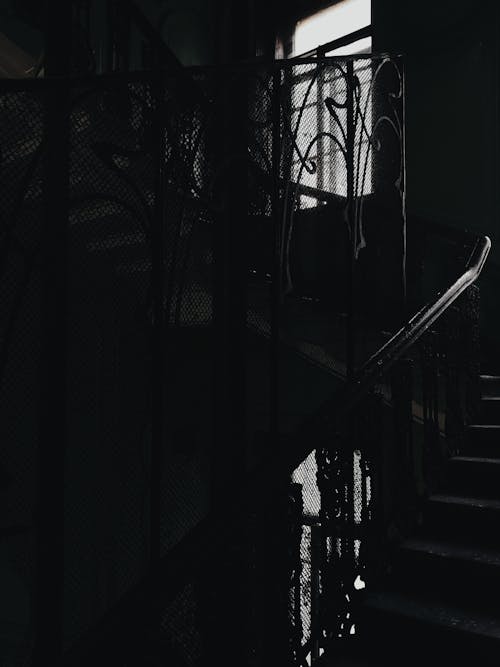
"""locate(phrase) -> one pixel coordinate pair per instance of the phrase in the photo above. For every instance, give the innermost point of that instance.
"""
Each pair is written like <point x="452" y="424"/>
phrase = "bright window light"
<point x="317" y="32"/>
<point x="358" y="47"/>
<point x="331" y="23"/>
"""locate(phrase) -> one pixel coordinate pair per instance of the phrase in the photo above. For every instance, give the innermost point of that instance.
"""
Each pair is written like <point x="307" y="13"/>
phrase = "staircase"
<point x="439" y="603"/>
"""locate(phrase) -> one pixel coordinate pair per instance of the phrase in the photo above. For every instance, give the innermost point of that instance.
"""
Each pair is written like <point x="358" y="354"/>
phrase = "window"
<point x="341" y="30"/>
<point x="343" y="20"/>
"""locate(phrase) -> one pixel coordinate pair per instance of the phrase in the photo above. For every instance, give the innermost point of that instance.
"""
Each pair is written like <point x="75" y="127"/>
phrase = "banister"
<point x="327" y="418"/>
<point x="392" y="350"/>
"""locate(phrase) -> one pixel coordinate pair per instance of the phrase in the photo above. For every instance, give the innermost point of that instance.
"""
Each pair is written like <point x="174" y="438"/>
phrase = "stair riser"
<point x="482" y="442"/>
<point x="457" y="581"/>
<point x="490" y="386"/>
<point x="404" y="641"/>
<point x="489" y="412"/>
<point x="474" y="480"/>
<point x="461" y="522"/>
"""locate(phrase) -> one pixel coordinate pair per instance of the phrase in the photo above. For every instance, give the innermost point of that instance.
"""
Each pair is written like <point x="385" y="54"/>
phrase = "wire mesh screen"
<point x="326" y="216"/>
<point x="122" y="135"/>
<point x="112" y="200"/>
<point x="315" y="153"/>
<point x="21" y="116"/>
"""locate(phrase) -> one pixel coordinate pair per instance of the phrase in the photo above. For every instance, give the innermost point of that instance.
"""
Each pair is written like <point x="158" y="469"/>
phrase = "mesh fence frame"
<point x="20" y="329"/>
<point x="113" y="153"/>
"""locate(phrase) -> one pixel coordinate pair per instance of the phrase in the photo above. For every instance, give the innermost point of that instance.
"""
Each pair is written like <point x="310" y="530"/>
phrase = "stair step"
<point x="454" y="551"/>
<point x="482" y="440"/>
<point x="458" y="572"/>
<point x="421" y="629"/>
<point x="489" y="410"/>
<point x="454" y="516"/>
<point x="473" y="475"/>
<point x="490" y="385"/>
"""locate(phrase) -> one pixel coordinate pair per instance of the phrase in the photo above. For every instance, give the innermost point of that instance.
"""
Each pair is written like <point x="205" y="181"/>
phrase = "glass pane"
<point x="354" y="48"/>
<point x="331" y="23"/>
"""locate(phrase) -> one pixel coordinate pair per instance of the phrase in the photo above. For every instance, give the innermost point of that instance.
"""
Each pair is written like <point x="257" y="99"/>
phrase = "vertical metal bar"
<point x="215" y="130"/>
<point x="403" y="192"/>
<point x="87" y="18"/>
<point x="230" y="313"/>
<point x="347" y="558"/>
<point x="53" y="387"/>
<point x="124" y="23"/>
<point x="277" y="268"/>
<point x="158" y="356"/>
<point x="295" y="564"/>
<point x="471" y="328"/>
<point x="401" y="380"/>
<point x="280" y="475"/>
<point x="315" y="591"/>
<point x="111" y="36"/>
<point x="430" y="456"/>
<point x="350" y="135"/>
<point x="320" y="126"/>
<point x="118" y="28"/>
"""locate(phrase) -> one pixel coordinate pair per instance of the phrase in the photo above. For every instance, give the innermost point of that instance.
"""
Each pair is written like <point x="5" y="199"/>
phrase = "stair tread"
<point x="483" y="427"/>
<point x="468" y="501"/>
<point x="475" y="459"/>
<point x="435" y="612"/>
<point x="489" y="377"/>
<point x="453" y="550"/>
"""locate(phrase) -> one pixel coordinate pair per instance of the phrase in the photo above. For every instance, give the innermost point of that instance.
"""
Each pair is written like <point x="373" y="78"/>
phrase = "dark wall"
<point x="452" y="117"/>
<point x="451" y="112"/>
<point x="187" y="27"/>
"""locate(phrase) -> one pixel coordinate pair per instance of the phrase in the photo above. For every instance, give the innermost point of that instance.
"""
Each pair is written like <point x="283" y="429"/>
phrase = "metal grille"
<point x="109" y="353"/>
<point x="21" y="116"/>
<point x="149" y="160"/>
<point x="180" y="623"/>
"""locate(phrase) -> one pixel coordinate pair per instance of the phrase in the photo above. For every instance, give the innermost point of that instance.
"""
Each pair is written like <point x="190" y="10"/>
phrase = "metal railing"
<point x="167" y="261"/>
<point x="367" y="445"/>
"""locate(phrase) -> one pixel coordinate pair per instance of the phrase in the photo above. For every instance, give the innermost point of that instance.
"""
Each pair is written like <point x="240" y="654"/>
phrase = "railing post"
<point x="285" y="635"/>
<point x="119" y="35"/>
<point x="53" y="386"/>
<point x="335" y="470"/>
<point x="471" y="332"/>
<point x="295" y="529"/>
<point x="462" y="365"/>
<point x="431" y="455"/>
<point x="158" y="356"/>
<point x="315" y="590"/>
<point x="277" y="270"/>
<point x="230" y="312"/>
<point x="404" y="480"/>
<point x="350" y="139"/>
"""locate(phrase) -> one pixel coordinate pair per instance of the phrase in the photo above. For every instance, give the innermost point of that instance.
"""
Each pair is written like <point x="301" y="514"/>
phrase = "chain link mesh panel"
<point x="21" y="116"/>
<point x="323" y="175"/>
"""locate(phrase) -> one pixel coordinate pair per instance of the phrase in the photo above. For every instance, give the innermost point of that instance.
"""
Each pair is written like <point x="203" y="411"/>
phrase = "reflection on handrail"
<point x="331" y="413"/>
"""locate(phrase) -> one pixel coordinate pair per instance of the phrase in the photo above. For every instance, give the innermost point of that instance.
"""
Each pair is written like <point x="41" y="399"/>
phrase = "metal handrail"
<point x="327" y="419"/>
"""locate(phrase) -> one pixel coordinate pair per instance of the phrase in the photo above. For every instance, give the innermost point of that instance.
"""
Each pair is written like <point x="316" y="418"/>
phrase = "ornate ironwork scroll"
<point x="347" y="482"/>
